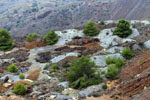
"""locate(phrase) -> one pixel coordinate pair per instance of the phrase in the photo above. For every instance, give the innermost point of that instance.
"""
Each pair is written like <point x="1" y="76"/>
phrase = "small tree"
<point x="91" y="29"/>
<point x="6" y="41"/>
<point x="12" y="68"/>
<point x="112" y="72"/>
<point x="82" y="73"/>
<point x="123" y="29"/>
<point x="51" y="37"/>
<point x="19" y="89"/>
<point x="102" y="22"/>
<point x="31" y="37"/>
<point x="127" y="53"/>
<point x="21" y="76"/>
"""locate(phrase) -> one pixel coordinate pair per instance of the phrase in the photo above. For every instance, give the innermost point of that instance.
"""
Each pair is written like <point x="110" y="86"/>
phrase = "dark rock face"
<point x="44" y="57"/>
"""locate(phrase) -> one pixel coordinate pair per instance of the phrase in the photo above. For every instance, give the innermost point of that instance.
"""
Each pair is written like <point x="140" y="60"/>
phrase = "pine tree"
<point x="6" y="41"/>
<point x="91" y="29"/>
<point x="51" y="37"/>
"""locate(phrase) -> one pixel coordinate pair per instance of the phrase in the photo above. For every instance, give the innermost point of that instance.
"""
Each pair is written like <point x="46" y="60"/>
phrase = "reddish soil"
<point x="33" y="74"/>
<point x="34" y="44"/>
<point x="136" y="75"/>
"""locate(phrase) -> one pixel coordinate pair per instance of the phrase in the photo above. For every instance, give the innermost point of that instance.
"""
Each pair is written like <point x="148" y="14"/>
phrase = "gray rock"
<point x="115" y="50"/>
<point x="101" y="59"/>
<point x="90" y="90"/>
<point x="64" y="84"/>
<point x="63" y="97"/>
<point x="147" y="44"/>
<point x="134" y="34"/>
<point x="136" y="47"/>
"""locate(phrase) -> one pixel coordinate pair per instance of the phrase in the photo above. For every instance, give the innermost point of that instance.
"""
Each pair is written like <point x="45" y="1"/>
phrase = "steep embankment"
<point x="130" y="9"/>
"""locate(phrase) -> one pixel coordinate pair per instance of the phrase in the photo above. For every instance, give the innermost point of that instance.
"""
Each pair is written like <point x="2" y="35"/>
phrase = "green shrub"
<point x="21" y="76"/>
<point x="117" y="61"/>
<point x="123" y="29"/>
<point x="112" y="72"/>
<point x="102" y="22"/>
<point x="51" y="70"/>
<point x="31" y="37"/>
<point x="51" y="37"/>
<point x="82" y="73"/>
<point x="12" y="68"/>
<point x="32" y="83"/>
<point x="104" y="86"/>
<point x="6" y="41"/>
<point x="109" y="61"/>
<point x="127" y="53"/>
<point x="91" y="29"/>
<point x="55" y="66"/>
<point x="19" y="89"/>
<point x="148" y="19"/>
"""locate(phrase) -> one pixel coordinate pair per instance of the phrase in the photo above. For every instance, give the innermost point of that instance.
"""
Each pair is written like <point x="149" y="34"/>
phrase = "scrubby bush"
<point x="51" y="70"/>
<point x="117" y="61"/>
<point x="148" y="19"/>
<point x="123" y="29"/>
<point x="6" y="41"/>
<point x="127" y="53"/>
<point x="19" y="89"/>
<point x="102" y="22"/>
<point x="12" y="68"/>
<point x="112" y="72"/>
<point x="32" y="83"/>
<point x="55" y="66"/>
<point x="91" y="29"/>
<point x="31" y="37"/>
<point x="104" y="86"/>
<point x="51" y="37"/>
<point x="21" y="76"/>
<point x="82" y="73"/>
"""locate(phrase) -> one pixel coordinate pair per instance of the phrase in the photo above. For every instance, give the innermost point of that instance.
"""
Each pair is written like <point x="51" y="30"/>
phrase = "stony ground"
<point x="35" y="61"/>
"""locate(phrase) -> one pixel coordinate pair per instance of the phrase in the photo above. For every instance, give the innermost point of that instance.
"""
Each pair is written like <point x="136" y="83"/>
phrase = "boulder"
<point x="147" y="44"/>
<point x="100" y="60"/>
<point x="90" y="90"/>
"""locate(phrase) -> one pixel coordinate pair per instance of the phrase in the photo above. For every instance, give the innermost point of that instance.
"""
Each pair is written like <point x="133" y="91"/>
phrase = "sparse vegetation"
<point x="6" y="41"/>
<point x="117" y="61"/>
<point x="55" y="66"/>
<point x="127" y="53"/>
<point x="19" y="89"/>
<point x="112" y="72"/>
<point x="21" y="76"/>
<point x="31" y="37"/>
<point x="123" y="29"/>
<point x="12" y="68"/>
<point x="82" y="73"/>
<point x="51" y="37"/>
<point x="104" y="86"/>
<point x="102" y="22"/>
<point x="91" y="29"/>
<point x="51" y="70"/>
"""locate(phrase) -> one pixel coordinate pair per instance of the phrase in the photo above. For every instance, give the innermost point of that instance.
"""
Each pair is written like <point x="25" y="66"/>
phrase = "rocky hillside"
<point x="130" y="9"/>
<point x="43" y="83"/>
<point x="27" y="16"/>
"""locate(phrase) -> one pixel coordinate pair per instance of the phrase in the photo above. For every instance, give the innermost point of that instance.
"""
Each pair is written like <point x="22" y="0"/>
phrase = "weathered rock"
<point x="147" y="44"/>
<point x="101" y="59"/>
<point x="90" y="90"/>
<point x="6" y="85"/>
<point x="64" y="84"/>
<point x="63" y="97"/>
<point x="71" y="92"/>
<point x="14" y="98"/>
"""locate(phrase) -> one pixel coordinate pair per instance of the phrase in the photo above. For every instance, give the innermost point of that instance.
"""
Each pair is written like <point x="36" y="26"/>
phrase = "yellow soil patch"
<point x="33" y="74"/>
